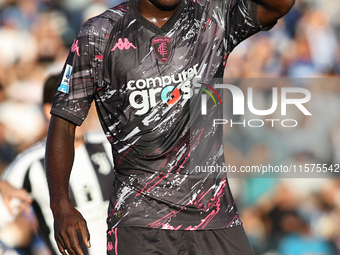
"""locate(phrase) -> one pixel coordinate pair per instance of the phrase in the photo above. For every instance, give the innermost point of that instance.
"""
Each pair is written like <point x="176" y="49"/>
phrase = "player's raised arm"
<point x="59" y="160"/>
<point x="269" y="11"/>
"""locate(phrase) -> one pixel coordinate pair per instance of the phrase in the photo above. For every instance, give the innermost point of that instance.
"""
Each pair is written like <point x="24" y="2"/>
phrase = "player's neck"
<point x="153" y="13"/>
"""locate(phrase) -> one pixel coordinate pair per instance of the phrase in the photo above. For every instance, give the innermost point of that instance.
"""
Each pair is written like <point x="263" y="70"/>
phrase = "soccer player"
<point x="137" y="62"/>
<point x="90" y="182"/>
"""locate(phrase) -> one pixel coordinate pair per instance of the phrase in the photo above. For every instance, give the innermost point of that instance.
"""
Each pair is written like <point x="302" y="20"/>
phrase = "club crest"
<point x="162" y="46"/>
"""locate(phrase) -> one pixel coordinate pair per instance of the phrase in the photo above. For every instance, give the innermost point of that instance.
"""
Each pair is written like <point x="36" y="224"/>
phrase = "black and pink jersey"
<point x="140" y="77"/>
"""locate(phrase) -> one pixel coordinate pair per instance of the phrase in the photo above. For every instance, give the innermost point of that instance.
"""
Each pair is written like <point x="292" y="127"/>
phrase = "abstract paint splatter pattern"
<point x="140" y="78"/>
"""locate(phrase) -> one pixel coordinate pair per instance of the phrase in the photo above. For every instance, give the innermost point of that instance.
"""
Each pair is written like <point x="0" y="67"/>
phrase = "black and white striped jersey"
<point x="90" y="184"/>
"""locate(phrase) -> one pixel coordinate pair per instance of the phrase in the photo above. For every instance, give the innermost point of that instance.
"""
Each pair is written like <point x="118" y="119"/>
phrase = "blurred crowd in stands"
<point x="282" y="216"/>
<point x="292" y="216"/>
<point x="297" y="212"/>
<point x="35" y="37"/>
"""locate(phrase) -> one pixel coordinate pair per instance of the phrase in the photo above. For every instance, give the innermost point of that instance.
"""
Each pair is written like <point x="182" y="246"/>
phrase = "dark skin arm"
<point x="269" y="11"/>
<point x="59" y="160"/>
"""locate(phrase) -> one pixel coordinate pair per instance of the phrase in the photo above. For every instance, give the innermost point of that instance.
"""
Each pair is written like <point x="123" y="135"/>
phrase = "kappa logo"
<point x="75" y="47"/>
<point x="123" y="45"/>
<point x="162" y="46"/>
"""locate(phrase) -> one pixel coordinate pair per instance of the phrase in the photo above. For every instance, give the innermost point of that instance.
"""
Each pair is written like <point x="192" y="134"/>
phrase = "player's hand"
<point x="8" y="192"/>
<point x="67" y="221"/>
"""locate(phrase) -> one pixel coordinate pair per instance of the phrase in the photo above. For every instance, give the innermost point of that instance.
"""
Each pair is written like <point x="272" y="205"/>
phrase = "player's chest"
<point x="137" y="52"/>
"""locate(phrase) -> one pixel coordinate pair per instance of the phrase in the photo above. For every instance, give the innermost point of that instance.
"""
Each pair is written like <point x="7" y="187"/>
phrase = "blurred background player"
<point x="90" y="183"/>
<point x="21" y="225"/>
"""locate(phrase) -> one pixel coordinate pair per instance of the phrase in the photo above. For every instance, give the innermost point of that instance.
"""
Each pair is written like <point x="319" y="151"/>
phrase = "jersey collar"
<point x="165" y="28"/>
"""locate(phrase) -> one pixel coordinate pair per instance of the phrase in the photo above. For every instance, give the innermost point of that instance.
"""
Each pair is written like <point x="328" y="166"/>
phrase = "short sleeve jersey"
<point x="140" y="78"/>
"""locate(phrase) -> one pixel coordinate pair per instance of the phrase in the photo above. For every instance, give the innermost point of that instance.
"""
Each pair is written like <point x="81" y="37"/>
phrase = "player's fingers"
<point x="61" y="241"/>
<point x="85" y="234"/>
<point x="64" y="245"/>
<point x="61" y="248"/>
<point x="69" y="248"/>
<point x="73" y="248"/>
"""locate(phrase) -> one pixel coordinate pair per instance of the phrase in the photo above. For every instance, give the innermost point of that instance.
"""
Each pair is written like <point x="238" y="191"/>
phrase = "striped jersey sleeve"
<point x="16" y="172"/>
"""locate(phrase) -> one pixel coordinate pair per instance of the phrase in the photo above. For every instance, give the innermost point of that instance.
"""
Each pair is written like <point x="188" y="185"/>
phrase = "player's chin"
<point x="166" y="5"/>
